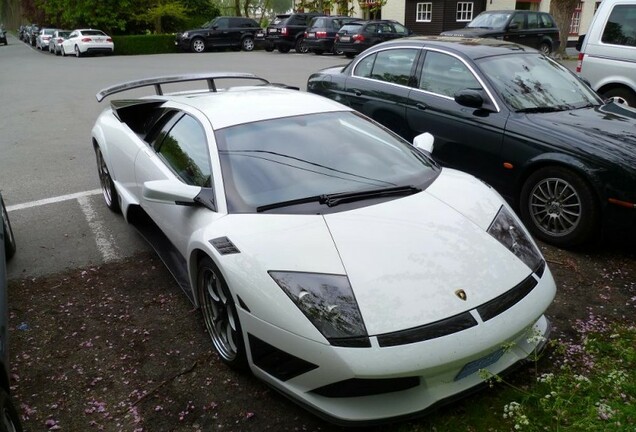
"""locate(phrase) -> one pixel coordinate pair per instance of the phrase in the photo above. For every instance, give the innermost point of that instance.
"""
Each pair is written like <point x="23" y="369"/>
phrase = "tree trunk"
<point x="237" y="7"/>
<point x="562" y="11"/>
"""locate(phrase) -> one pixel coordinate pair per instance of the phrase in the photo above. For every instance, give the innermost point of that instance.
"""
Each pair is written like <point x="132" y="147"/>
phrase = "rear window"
<point x="93" y="33"/>
<point x="621" y="26"/>
<point x="279" y="19"/>
<point x="350" y="28"/>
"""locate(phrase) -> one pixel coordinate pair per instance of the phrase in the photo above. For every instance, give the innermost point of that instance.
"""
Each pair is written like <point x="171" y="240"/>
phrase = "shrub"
<point x="144" y="44"/>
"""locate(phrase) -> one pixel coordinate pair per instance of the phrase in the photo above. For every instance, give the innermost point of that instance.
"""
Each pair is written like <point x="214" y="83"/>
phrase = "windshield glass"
<point x="293" y="158"/>
<point x="531" y="82"/>
<point x="490" y="20"/>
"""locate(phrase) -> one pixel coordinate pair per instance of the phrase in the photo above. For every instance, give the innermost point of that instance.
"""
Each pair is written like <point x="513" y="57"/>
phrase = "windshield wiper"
<point x="332" y="200"/>
<point x="547" y="109"/>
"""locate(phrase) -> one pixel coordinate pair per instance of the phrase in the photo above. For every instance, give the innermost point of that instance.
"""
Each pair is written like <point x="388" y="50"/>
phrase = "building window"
<point x="424" y="12"/>
<point x="575" y="23"/>
<point x="464" y="11"/>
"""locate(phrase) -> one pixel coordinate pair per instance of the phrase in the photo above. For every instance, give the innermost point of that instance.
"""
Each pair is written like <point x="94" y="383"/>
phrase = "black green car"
<point x="509" y="115"/>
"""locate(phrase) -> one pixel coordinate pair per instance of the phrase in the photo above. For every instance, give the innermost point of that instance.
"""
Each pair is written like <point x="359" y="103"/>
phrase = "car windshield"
<point x="490" y="20"/>
<point x="536" y="83"/>
<point x="294" y="158"/>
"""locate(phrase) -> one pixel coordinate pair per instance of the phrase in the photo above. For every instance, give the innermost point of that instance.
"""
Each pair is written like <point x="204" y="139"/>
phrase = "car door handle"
<point x="421" y="106"/>
<point x="357" y="92"/>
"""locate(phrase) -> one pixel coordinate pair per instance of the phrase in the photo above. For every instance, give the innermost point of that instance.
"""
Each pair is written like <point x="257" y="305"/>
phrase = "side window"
<point x="446" y="75"/>
<point x="519" y="19"/>
<point x="394" y="65"/>
<point x="400" y="29"/>
<point x="533" y="21"/>
<point x="365" y="66"/>
<point x="222" y="23"/>
<point x="185" y="150"/>
<point x="621" y="26"/>
<point x="371" y="28"/>
<point x="546" y="21"/>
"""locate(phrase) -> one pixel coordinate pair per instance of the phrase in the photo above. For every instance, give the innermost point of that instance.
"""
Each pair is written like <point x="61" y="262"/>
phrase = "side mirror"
<point x="424" y="142"/>
<point x="170" y="192"/>
<point x="469" y="98"/>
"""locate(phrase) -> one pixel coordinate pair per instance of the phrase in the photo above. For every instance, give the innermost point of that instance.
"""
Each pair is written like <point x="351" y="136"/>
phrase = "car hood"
<point x="406" y="258"/>
<point x="608" y="130"/>
<point x="471" y="32"/>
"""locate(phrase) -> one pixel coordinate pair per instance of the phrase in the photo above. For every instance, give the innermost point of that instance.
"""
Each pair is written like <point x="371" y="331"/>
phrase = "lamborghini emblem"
<point x="461" y="294"/>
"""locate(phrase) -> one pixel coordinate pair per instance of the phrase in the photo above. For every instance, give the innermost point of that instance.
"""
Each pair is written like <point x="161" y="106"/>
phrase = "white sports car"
<point x="337" y="262"/>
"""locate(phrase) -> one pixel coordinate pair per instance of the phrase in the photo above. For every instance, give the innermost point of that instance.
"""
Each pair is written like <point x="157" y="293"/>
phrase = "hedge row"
<point x="144" y="44"/>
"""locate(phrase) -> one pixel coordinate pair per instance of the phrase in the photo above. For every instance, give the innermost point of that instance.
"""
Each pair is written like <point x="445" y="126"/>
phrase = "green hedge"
<point x="144" y="44"/>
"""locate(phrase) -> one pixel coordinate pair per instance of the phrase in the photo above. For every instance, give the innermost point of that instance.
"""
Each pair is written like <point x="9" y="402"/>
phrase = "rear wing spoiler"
<point x="157" y="82"/>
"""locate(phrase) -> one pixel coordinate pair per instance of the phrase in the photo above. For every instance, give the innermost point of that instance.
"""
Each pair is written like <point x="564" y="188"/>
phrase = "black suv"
<point x="221" y="32"/>
<point x="534" y="29"/>
<point x="356" y="36"/>
<point x="287" y="32"/>
<point x="321" y="33"/>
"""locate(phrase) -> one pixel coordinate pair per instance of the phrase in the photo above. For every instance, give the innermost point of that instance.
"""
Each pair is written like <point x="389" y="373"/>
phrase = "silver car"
<point x="55" y="44"/>
<point x="43" y="38"/>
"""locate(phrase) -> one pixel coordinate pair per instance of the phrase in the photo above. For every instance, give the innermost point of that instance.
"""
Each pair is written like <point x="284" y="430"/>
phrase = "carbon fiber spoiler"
<point x="156" y="82"/>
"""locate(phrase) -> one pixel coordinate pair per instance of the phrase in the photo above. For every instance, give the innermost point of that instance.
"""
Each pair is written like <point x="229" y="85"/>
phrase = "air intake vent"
<point x="276" y="362"/>
<point x="434" y="330"/>
<point x="224" y="246"/>
<point x="357" y="387"/>
<point x="508" y="299"/>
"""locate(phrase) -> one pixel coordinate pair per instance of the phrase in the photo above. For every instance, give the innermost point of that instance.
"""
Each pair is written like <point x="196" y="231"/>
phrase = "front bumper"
<point x="358" y="386"/>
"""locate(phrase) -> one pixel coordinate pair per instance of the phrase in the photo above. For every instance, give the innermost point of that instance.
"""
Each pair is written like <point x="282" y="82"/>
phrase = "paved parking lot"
<point x="47" y="167"/>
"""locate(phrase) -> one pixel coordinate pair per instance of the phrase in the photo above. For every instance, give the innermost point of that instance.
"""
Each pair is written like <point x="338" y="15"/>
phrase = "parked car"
<point x="221" y="32"/>
<point x="355" y="37"/>
<point x="3" y="36"/>
<point x="32" y="34"/>
<point x="55" y="44"/>
<point x="321" y="247"/>
<point x="44" y="38"/>
<point x="607" y="57"/>
<point x="287" y="31"/>
<point x="531" y="28"/>
<point x="9" y="417"/>
<point x="320" y="34"/>
<point x="87" y="41"/>
<point x="509" y="115"/>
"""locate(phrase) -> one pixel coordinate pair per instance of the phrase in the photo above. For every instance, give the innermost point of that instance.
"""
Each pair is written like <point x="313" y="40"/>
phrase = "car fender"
<point x="588" y="172"/>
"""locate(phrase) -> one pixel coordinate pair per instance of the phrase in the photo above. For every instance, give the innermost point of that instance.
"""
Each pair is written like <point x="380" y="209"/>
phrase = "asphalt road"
<point x="47" y="166"/>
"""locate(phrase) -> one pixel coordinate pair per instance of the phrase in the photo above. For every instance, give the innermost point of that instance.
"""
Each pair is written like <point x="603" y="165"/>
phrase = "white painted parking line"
<point x="105" y="242"/>
<point x="53" y="200"/>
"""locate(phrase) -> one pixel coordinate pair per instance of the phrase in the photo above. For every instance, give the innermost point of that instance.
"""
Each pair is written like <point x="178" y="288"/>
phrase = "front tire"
<point x="247" y="44"/>
<point x="9" y="239"/>
<point x="111" y="198"/>
<point x="197" y="45"/>
<point x="545" y="48"/>
<point x="220" y="315"/>
<point x="559" y="207"/>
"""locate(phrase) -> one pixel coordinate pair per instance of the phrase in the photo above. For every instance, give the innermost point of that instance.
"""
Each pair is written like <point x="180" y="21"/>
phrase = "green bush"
<point x="144" y="44"/>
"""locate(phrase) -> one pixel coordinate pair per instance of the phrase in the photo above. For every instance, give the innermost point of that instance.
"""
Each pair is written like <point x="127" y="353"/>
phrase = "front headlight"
<point x="509" y="233"/>
<point x="184" y="35"/>
<point x="328" y="302"/>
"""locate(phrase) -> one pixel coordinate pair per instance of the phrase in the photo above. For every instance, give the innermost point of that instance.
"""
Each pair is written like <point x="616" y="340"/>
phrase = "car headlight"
<point x="507" y="230"/>
<point x="184" y="35"/>
<point x="328" y="302"/>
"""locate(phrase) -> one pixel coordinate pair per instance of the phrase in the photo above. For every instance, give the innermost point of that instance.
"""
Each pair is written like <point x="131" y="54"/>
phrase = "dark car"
<point x="9" y="418"/>
<point x="355" y="37"/>
<point x="320" y="34"/>
<point x="287" y="31"/>
<point x="3" y="36"/>
<point x="512" y="117"/>
<point x="221" y="32"/>
<point x="534" y="29"/>
<point x="32" y="34"/>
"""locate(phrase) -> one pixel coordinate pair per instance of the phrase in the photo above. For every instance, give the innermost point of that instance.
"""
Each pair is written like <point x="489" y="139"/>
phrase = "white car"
<point x="87" y="41"/>
<point x="337" y="262"/>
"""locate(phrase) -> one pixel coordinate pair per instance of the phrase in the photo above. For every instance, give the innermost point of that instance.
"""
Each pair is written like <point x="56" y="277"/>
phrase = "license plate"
<point x="273" y="30"/>
<point x="311" y="35"/>
<point x="345" y="38"/>
<point x="474" y="366"/>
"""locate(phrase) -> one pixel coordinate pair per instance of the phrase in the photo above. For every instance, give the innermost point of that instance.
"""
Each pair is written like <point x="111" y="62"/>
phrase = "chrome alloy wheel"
<point x="219" y="314"/>
<point x="555" y="207"/>
<point x="104" y="179"/>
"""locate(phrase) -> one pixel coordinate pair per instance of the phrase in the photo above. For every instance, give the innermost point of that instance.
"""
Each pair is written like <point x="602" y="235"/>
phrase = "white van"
<point x="607" y="57"/>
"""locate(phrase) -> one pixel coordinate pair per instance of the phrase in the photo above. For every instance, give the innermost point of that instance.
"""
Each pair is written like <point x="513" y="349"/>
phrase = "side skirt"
<point x="173" y="260"/>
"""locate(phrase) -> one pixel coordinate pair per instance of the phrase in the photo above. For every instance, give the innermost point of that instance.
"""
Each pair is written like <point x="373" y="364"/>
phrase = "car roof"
<point x="473" y="48"/>
<point x="241" y="105"/>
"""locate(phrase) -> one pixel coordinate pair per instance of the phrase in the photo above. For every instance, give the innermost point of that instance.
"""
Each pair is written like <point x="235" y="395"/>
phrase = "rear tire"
<point x="300" y="46"/>
<point x="78" y="53"/>
<point x="111" y="197"/>
<point x="247" y="44"/>
<point x="621" y="96"/>
<point x="9" y="240"/>
<point x="545" y="48"/>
